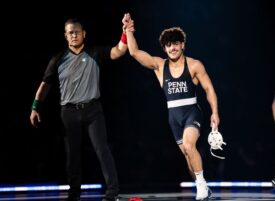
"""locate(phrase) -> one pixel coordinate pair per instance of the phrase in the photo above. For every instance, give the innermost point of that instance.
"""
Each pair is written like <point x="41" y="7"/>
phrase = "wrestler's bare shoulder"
<point x="192" y="61"/>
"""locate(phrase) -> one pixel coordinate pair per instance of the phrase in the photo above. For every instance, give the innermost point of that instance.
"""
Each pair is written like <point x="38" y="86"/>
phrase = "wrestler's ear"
<point x="182" y="46"/>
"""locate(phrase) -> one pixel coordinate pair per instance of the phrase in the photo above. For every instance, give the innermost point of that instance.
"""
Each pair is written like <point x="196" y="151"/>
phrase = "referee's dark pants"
<point x="80" y="119"/>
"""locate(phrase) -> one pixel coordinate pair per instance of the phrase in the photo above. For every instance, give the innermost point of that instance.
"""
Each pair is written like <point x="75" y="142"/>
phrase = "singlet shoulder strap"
<point x="186" y="71"/>
<point x="166" y="67"/>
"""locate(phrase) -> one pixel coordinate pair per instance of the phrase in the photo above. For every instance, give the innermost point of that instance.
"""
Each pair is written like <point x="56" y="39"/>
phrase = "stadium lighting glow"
<point x="99" y="186"/>
<point x="229" y="184"/>
<point x="45" y="187"/>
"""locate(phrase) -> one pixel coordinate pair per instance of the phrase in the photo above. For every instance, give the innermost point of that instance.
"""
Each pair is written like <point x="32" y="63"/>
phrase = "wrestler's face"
<point x="74" y="34"/>
<point x="174" y="49"/>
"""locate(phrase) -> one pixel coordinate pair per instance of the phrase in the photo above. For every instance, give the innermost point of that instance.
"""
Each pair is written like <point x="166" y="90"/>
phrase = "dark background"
<point x="234" y="40"/>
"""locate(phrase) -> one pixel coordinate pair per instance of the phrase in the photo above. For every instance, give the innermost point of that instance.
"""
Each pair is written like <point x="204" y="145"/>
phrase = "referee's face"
<point x="74" y="34"/>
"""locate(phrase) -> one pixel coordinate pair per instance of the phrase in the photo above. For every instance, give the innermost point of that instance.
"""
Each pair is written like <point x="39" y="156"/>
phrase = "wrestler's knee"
<point x="188" y="148"/>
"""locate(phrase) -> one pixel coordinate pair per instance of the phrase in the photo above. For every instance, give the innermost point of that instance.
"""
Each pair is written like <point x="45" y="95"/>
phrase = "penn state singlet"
<point x="181" y="101"/>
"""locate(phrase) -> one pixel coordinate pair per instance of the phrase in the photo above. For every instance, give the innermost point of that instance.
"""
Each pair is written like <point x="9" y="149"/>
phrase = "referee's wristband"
<point x="36" y="105"/>
<point x="123" y="38"/>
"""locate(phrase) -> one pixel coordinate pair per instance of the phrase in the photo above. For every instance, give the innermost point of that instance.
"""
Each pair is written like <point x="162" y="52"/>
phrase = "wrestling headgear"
<point x="215" y="140"/>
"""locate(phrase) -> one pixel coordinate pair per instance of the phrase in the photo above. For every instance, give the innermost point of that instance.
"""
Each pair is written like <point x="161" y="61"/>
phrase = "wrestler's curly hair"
<point x="171" y="35"/>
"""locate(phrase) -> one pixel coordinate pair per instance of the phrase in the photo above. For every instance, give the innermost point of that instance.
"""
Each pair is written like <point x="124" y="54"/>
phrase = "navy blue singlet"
<point x="181" y="101"/>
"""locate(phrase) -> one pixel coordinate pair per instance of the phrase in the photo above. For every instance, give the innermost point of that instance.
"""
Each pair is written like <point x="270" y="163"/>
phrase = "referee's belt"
<point x="181" y="102"/>
<point x="80" y="105"/>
